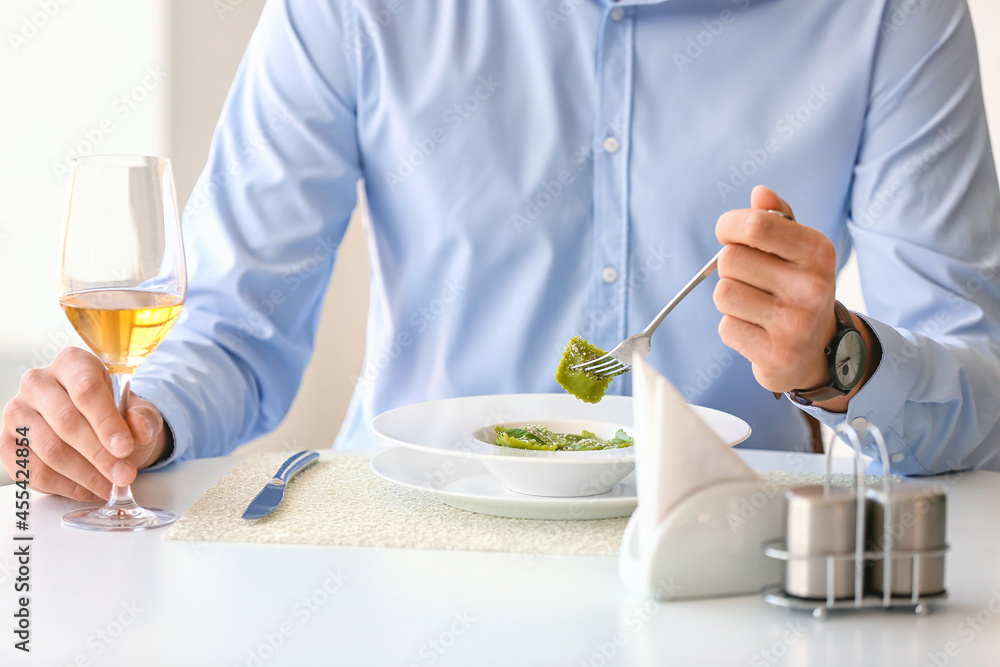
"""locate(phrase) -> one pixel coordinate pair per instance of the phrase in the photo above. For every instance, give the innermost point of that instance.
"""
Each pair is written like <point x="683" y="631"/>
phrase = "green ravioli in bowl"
<point x="534" y="436"/>
<point x="557" y="458"/>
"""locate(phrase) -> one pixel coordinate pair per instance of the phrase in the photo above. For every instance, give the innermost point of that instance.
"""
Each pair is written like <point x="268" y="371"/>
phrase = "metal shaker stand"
<point x="776" y="549"/>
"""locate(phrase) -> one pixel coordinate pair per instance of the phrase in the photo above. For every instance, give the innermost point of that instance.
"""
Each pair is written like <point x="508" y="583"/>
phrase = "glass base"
<point x="121" y="518"/>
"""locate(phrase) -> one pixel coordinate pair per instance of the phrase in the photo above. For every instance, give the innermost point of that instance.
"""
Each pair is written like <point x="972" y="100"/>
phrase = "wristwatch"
<point x="845" y="357"/>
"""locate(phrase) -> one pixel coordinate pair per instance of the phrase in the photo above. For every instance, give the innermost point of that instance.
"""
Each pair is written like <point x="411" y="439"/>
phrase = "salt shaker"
<point x="917" y="524"/>
<point x="820" y="522"/>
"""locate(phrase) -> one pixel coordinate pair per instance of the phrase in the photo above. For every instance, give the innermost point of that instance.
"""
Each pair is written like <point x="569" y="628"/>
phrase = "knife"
<point x="272" y="493"/>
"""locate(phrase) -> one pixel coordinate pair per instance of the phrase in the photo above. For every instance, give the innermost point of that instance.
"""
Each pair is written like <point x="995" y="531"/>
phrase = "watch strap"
<point x="830" y="389"/>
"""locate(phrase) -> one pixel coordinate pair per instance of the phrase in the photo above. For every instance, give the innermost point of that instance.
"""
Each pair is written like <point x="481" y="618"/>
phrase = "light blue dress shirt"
<point x="538" y="169"/>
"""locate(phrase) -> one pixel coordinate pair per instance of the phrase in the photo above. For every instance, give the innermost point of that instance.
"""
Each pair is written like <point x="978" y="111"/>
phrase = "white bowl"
<point x="445" y="427"/>
<point x="559" y="474"/>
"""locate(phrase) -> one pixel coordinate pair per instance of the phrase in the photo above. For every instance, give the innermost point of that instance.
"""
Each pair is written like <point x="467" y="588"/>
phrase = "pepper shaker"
<point x="917" y="524"/>
<point x="820" y="522"/>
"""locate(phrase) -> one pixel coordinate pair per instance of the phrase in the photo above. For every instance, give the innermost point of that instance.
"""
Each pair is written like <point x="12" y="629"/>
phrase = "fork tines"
<point x="606" y="366"/>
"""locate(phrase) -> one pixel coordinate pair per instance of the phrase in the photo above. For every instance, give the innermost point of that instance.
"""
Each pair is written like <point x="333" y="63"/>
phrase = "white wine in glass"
<point x="122" y="284"/>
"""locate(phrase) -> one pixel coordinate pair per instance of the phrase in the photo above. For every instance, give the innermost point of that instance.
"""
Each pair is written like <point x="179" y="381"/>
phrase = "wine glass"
<point x="122" y="284"/>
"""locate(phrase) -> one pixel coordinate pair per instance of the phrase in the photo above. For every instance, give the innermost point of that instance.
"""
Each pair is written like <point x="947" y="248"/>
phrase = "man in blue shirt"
<point x="541" y="169"/>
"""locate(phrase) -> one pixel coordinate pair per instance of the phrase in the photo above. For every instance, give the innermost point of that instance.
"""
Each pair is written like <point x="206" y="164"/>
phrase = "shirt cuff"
<point x="880" y="402"/>
<point x="174" y="418"/>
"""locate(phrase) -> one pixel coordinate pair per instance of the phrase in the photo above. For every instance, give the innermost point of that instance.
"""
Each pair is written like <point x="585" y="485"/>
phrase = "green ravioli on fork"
<point x="584" y="385"/>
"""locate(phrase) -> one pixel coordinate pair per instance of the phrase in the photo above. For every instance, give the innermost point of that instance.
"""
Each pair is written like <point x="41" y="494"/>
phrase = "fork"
<point x="619" y="360"/>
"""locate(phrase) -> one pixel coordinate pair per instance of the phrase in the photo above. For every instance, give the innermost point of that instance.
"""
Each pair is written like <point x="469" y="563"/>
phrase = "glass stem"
<point x="121" y="496"/>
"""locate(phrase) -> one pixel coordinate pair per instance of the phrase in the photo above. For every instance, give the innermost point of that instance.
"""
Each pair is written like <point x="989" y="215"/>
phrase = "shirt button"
<point x="897" y="457"/>
<point x="611" y="144"/>
<point x="609" y="274"/>
<point x="859" y="423"/>
<point x="617" y="13"/>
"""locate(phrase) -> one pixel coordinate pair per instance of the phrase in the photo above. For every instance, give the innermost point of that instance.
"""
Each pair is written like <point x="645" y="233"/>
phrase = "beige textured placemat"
<point x="338" y="501"/>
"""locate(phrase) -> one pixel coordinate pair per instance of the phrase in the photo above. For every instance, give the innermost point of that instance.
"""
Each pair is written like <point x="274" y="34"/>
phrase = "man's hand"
<point x="776" y="292"/>
<point x="79" y="442"/>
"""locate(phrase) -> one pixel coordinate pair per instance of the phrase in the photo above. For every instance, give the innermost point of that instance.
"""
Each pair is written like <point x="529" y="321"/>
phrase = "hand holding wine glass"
<point x="79" y="441"/>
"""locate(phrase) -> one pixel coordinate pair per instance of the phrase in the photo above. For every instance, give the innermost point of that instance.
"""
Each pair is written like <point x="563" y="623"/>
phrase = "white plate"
<point x="446" y="426"/>
<point x="464" y="483"/>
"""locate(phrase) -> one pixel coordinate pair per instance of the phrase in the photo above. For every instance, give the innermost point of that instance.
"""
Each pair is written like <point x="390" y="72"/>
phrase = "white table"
<point x="135" y="599"/>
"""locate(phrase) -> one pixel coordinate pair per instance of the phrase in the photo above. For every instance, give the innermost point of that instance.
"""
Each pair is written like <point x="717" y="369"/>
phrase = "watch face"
<point x="850" y="359"/>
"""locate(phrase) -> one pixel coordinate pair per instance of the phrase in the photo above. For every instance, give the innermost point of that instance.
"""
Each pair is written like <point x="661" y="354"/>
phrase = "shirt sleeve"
<point x="923" y="218"/>
<point x="262" y="228"/>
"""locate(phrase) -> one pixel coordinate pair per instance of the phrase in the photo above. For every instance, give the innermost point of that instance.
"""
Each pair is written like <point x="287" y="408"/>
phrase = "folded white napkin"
<point x="676" y="453"/>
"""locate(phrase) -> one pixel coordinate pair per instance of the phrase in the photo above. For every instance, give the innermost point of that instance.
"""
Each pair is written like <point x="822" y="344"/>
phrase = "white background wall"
<point x="62" y="88"/>
<point x="63" y="74"/>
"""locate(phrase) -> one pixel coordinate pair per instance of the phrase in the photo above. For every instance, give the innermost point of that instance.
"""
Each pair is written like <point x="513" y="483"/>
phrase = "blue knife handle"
<point x="295" y="464"/>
